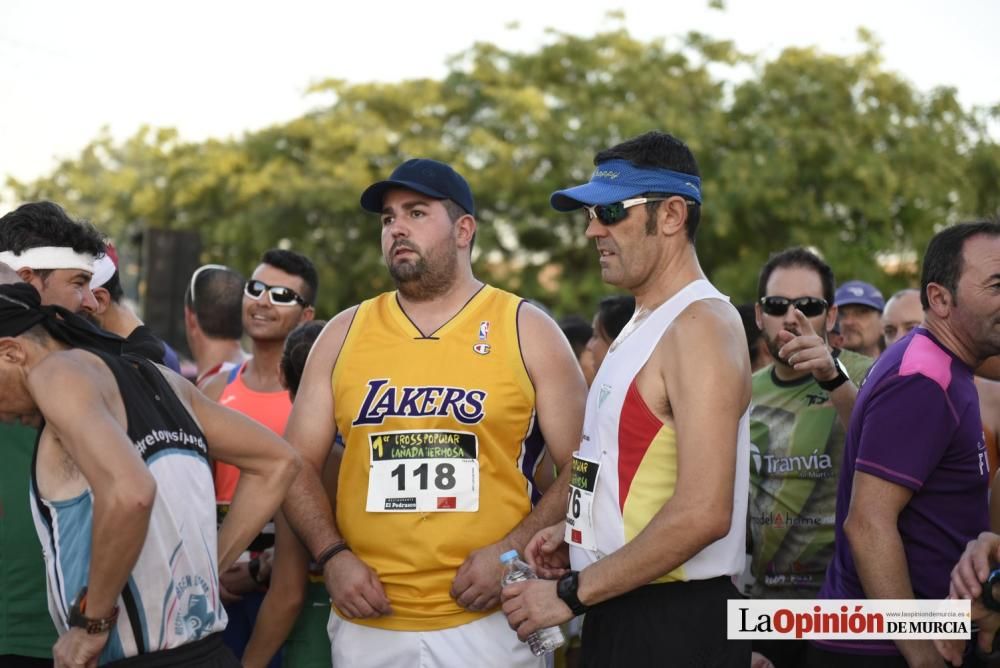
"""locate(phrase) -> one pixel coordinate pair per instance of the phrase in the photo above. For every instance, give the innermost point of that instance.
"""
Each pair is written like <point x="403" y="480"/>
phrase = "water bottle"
<point x="541" y="641"/>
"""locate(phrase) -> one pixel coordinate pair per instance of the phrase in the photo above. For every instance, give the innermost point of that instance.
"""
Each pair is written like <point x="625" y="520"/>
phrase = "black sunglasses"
<point x="616" y="212"/>
<point x="810" y="306"/>
<point x="279" y="295"/>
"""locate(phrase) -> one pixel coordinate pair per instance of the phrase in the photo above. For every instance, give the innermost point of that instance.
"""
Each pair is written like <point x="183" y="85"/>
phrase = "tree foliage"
<point x="832" y="152"/>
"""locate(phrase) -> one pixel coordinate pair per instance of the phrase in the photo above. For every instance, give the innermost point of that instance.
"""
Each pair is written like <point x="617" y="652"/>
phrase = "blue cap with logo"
<point x="423" y="175"/>
<point x="861" y="293"/>
<point x="617" y="180"/>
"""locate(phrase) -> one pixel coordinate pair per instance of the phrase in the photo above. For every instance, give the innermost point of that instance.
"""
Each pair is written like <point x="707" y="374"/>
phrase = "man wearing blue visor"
<point x="656" y="520"/>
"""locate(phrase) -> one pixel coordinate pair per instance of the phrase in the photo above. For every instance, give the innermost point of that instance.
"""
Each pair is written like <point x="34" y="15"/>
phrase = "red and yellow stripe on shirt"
<point x="647" y="468"/>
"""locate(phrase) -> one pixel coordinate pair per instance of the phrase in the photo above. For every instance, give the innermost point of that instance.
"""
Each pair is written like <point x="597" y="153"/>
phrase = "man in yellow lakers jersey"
<point x="656" y="519"/>
<point x="445" y="392"/>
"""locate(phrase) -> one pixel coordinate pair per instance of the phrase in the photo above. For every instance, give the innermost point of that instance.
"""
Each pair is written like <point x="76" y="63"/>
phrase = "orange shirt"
<point x="271" y="409"/>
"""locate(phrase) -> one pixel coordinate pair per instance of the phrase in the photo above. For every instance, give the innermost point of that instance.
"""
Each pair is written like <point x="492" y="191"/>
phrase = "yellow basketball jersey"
<point x="441" y="446"/>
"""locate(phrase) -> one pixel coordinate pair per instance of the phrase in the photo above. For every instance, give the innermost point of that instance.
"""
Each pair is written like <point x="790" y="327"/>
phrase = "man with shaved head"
<point x="902" y="313"/>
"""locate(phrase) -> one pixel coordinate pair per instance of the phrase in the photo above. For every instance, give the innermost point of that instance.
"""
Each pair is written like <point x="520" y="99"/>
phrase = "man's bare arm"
<point x="267" y="467"/>
<point x="283" y="601"/>
<point x="123" y="489"/>
<point x="702" y="362"/>
<point x="311" y="430"/>
<point x="871" y="527"/>
<point x="289" y="579"/>
<point x="353" y="586"/>
<point x="560" y="400"/>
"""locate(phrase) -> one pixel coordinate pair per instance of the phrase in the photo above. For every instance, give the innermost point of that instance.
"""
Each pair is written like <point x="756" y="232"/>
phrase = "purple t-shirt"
<point x="915" y="423"/>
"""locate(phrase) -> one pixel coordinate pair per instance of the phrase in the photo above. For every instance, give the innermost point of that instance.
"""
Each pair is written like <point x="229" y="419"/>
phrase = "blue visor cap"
<point x="617" y="180"/>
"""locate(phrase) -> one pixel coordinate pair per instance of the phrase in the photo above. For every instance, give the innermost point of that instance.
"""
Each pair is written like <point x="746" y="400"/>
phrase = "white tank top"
<point x="636" y="456"/>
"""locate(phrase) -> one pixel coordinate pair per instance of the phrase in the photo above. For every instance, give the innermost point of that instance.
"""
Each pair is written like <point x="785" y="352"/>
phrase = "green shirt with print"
<point x="797" y="443"/>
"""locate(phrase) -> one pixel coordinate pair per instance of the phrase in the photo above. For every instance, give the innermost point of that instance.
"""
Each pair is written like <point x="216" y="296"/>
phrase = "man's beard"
<point x="427" y="277"/>
<point x="773" y="346"/>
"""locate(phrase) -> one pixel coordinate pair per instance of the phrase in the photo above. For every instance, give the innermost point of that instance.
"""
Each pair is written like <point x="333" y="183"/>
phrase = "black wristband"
<point x="836" y="381"/>
<point x="566" y="591"/>
<point x="330" y="552"/>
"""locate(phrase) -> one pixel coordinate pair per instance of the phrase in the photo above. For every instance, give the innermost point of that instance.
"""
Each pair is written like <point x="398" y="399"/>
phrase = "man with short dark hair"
<point x="213" y="319"/>
<point x="801" y="407"/>
<point x="913" y="486"/>
<point x="447" y="392"/>
<point x="278" y="298"/>
<point x="656" y="527"/>
<point x="52" y="252"/>
<point x="860" y="305"/>
<point x="55" y="254"/>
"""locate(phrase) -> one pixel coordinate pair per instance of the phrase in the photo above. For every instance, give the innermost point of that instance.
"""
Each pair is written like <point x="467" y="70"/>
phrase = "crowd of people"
<point x="340" y="493"/>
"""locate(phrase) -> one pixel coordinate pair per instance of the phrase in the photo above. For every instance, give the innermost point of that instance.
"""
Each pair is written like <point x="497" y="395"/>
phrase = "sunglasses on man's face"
<point x="810" y="306"/>
<point x="612" y="214"/>
<point x="279" y="295"/>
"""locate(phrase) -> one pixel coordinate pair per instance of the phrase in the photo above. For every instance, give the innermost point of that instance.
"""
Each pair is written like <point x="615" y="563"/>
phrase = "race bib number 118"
<point x="423" y="471"/>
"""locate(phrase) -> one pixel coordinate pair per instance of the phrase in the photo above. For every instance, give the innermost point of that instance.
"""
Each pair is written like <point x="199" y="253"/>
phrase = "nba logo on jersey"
<point x="484" y="330"/>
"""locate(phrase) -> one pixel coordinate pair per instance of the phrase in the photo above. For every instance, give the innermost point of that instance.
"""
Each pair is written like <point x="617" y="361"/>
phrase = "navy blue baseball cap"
<point x="859" y="292"/>
<point x="423" y="175"/>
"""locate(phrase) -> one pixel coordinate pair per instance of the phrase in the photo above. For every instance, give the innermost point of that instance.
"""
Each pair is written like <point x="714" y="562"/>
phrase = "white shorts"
<point x="488" y="642"/>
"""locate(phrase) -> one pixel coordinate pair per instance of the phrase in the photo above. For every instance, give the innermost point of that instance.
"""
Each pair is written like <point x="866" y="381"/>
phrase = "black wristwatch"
<point x="566" y="590"/>
<point x="93" y="626"/>
<point x="989" y="602"/>
<point x="836" y="381"/>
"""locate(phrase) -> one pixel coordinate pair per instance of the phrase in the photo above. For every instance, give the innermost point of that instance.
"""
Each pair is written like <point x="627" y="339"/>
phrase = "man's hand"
<point x="988" y="622"/>
<point x="973" y="568"/>
<point x="78" y="649"/>
<point x="354" y="587"/>
<point x="236" y="580"/>
<point x="477" y="583"/>
<point x="807" y="351"/>
<point x="921" y="653"/>
<point x="533" y="605"/>
<point x="547" y="552"/>
<point x="967" y="578"/>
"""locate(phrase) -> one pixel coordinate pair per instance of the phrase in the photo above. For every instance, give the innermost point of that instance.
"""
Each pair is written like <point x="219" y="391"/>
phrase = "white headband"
<point x="104" y="269"/>
<point x="48" y="257"/>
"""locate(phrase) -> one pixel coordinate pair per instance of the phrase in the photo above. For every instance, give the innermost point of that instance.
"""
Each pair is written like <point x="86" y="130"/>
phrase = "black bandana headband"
<point x="21" y="309"/>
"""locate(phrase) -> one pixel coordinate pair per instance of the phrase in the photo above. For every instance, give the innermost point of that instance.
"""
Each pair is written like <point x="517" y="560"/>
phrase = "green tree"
<point x="808" y="148"/>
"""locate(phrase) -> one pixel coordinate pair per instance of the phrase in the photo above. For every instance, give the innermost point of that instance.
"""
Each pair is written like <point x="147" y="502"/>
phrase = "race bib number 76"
<point x="423" y="471"/>
<point x="579" y="513"/>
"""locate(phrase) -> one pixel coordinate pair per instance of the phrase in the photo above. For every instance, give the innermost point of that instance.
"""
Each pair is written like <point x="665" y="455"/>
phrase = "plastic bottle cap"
<point x="509" y="555"/>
